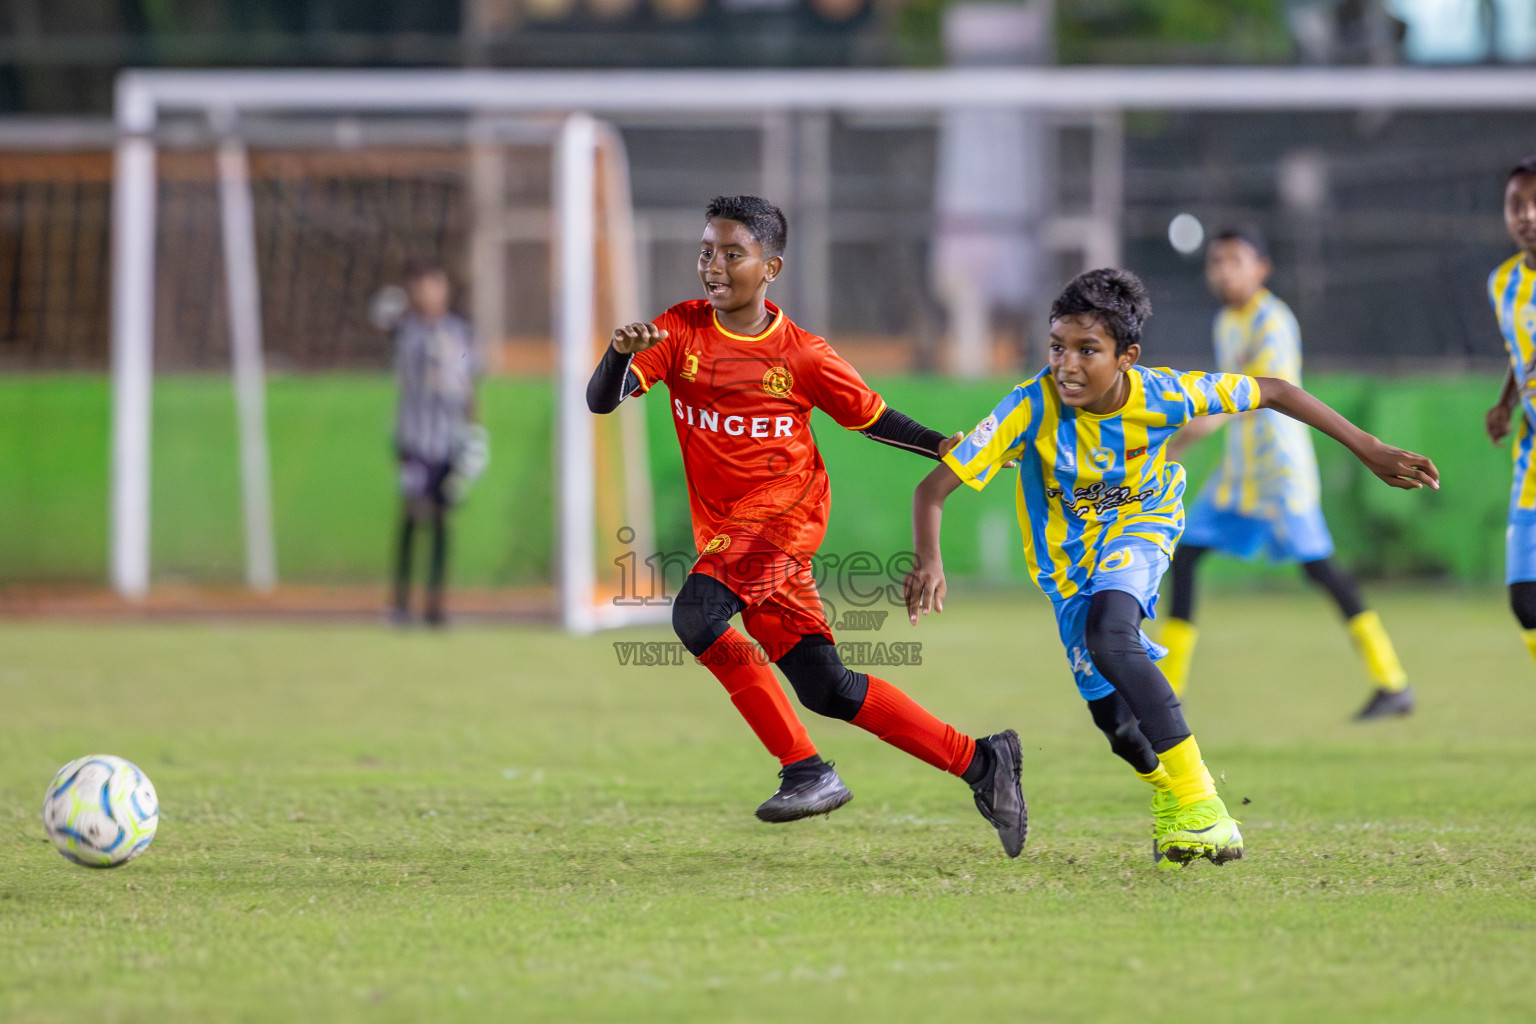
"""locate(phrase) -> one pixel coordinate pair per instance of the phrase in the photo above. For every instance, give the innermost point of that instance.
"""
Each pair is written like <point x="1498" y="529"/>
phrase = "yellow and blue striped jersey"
<point x="1512" y="290"/>
<point x="1268" y="466"/>
<point x="1086" y="480"/>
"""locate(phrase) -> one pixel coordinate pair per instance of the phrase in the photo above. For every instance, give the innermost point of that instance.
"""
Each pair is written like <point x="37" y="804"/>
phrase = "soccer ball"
<point x="101" y="811"/>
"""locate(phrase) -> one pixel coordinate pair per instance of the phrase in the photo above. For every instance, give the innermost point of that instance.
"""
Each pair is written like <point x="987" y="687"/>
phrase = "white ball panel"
<point x="101" y="811"/>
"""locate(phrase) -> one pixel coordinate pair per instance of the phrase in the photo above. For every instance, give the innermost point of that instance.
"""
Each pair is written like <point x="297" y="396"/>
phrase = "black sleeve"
<point x="901" y="431"/>
<point x="611" y="382"/>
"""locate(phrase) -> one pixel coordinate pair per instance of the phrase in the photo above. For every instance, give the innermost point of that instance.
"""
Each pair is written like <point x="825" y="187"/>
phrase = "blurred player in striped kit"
<point x="1264" y="496"/>
<point x="437" y="365"/>
<point x="1512" y="290"/>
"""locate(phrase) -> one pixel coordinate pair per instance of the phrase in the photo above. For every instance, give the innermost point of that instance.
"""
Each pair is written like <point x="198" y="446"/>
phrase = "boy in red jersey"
<point x="743" y="380"/>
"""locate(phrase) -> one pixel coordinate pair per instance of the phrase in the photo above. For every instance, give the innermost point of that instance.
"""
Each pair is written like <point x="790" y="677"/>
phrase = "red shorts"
<point x="783" y="604"/>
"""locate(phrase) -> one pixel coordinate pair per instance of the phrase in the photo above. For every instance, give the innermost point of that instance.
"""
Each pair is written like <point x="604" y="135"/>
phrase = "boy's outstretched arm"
<point x="924" y="586"/>
<point x="1397" y="467"/>
<point x="899" y="430"/>
<point x="1496" y="420"/>
<point x="613" y="381"/>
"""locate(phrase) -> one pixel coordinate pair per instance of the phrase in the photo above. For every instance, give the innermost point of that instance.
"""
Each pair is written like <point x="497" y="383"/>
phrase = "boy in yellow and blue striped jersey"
<point x="1264" y="497"/>
<point x="1512" y="290"/>
<point x="1101" y="508"/>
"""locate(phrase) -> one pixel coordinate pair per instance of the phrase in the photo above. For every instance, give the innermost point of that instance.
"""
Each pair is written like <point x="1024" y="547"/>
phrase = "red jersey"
<point x="742" y="409"/>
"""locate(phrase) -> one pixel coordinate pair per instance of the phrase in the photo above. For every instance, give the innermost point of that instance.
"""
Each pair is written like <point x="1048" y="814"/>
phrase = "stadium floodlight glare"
<point x="1186" y="233"/>
<point x="223" y="96"/>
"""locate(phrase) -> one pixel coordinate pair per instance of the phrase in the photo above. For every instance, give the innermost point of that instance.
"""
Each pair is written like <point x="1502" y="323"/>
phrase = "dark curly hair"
<point x="765" y="222"/>
<point x="1116" y="297"/>
<point x="1524" y="169"/>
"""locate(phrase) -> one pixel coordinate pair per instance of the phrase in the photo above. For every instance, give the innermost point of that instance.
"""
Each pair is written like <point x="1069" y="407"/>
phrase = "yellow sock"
<point x="1179" y="637"/>
<point x="1530" y="640"/>
<point x="1376" y="648"/>
<point x="1188" y="778"/>
<point x="1157" y="778"/>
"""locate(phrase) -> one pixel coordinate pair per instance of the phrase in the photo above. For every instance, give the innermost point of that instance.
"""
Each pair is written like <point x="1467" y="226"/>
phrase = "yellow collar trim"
<point x="772" y="326"/>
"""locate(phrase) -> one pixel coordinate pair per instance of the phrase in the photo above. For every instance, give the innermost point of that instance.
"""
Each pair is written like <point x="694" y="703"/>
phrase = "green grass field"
<point x="503" y="824"/>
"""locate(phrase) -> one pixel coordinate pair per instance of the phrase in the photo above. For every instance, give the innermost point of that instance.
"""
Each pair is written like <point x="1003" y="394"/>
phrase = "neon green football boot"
<point x="1201" y="829"/>
<point x="1165" y="810"/>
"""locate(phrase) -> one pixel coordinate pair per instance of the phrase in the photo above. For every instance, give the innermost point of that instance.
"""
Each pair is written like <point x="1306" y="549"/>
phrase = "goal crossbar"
<point x="142" y="95"/>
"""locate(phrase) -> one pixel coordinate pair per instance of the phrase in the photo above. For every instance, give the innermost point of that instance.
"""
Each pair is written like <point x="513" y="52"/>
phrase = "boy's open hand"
<point x="1400" y="468"/>
<point x="924" y="589"/>
<point x="1496" y="423"/>
<point x="634" y="338"/>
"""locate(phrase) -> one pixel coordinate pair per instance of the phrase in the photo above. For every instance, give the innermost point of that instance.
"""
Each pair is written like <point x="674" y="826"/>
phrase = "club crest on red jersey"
<point x="690" y="367"/>
<point x="719" y="543"/>
<point x="778" y="381"/>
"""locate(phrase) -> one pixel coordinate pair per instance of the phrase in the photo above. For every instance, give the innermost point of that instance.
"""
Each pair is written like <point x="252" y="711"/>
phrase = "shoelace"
<point x="984" y="782"/>
<point x="1193" y="818"/>
<point x="804" y="774"/>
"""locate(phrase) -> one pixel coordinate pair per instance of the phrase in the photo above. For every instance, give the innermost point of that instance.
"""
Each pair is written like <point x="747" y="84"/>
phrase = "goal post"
<point x="595" y="284"/>
<point x="593" y="230"/>
<point x="243" y="288"/>
<point x="133" y="314"/>
<point x="593" y="239"/>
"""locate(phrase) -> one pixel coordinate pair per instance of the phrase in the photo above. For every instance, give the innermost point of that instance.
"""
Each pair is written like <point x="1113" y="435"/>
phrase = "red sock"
<point x="902" y="722"/>
<point x="756" y="692"/>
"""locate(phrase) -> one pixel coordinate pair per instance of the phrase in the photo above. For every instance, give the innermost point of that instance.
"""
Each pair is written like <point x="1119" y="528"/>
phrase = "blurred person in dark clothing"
<point x="436" y="436"/>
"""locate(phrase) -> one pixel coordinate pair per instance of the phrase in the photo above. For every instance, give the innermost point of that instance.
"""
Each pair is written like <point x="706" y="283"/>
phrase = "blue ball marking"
<point x="67" y="783"/>
<point x="122" y="834"/>
<point x="72" y="833"/>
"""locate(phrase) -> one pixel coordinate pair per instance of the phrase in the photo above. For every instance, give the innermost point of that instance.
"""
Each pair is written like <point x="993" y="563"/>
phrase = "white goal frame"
<point x="222" y="96"/>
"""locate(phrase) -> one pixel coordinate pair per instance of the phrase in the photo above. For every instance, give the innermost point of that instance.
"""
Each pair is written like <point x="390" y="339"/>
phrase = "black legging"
<point x="436" y="570"/>
<point x="702" y="613"/>
<point x="1322" y="572"/>
<point x="1114" y="643"/>
<point x="1522" y="601"/>
<point x="1113" y="717"/>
